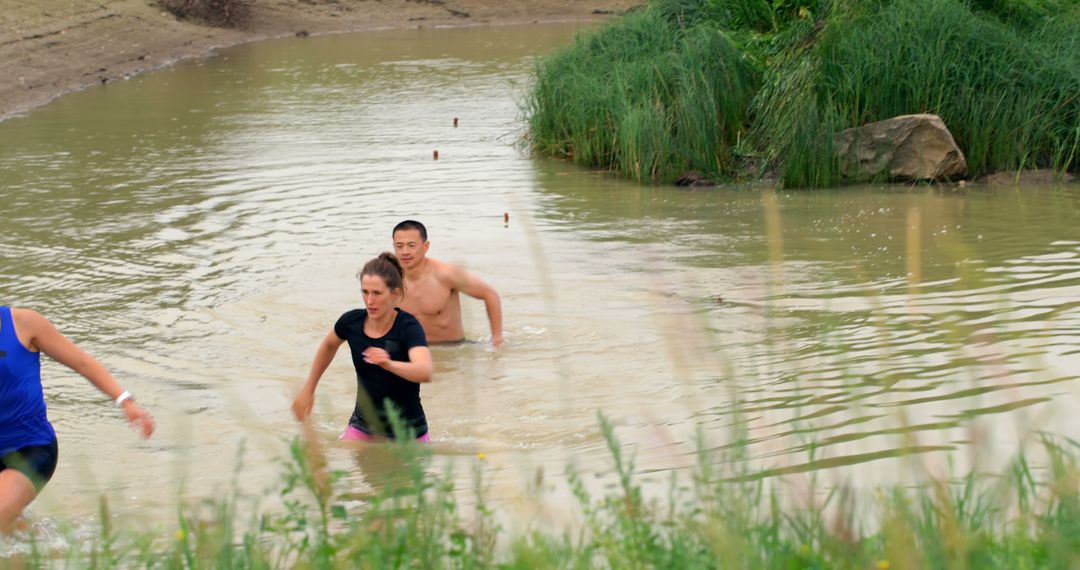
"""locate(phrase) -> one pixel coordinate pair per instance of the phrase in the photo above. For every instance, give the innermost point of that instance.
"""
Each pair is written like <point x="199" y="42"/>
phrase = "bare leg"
<point x="16" y="492"/>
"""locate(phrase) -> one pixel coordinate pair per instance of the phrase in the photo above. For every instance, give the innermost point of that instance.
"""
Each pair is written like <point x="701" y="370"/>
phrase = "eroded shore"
<point x="52" y="47"/>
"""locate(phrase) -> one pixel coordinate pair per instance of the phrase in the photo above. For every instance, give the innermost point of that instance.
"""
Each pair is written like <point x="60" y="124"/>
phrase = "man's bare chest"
<point x="429" y="298"/>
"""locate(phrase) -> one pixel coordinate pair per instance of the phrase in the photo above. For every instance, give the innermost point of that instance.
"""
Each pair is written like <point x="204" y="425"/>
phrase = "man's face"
<point x="409" y="248"/>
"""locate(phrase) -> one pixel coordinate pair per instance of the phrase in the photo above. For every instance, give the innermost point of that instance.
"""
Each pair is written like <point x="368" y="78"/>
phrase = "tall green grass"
<point x="1025" y="13"/>
<point x="1011" y="98"/>
<point x="757" y="15"/>
<point x="700" y="84"/>
<point x="649" y="98"/>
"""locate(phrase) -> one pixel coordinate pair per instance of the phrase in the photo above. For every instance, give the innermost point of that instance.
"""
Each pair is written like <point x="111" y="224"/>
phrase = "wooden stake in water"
<point x="455" y="122"/>
<point x="435" y="155"/>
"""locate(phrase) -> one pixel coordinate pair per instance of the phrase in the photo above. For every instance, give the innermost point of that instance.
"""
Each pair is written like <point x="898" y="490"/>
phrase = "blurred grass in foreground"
<point x="723" y="516"/>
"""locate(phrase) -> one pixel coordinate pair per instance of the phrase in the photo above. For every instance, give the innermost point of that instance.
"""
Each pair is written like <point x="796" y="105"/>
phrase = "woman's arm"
<point x="44" y="336"/>
<point x="301" y="406"/>
<point x="419" y="368"/>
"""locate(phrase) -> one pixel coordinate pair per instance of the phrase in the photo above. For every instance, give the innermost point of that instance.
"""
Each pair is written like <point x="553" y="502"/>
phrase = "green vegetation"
<point x="723" y="516"/>
<point x="742" y="87"/>
<point x="647" y="98"/>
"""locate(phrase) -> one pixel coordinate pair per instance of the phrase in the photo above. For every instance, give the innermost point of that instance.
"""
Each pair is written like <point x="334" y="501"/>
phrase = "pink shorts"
<point x="353" y="434"/>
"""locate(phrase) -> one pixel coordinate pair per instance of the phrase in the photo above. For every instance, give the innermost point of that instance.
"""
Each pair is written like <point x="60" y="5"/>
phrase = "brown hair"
<point x="388" y="267"/>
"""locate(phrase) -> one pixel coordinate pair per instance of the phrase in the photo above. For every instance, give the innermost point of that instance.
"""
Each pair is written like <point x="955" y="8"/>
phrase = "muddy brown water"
<point x="198" y="230"/>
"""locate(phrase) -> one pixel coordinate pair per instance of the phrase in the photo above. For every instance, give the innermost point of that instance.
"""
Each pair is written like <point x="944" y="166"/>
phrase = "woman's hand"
<point x="376" y="356"/>
<point x="301" y="406"/>
<point x="139" y="418"/>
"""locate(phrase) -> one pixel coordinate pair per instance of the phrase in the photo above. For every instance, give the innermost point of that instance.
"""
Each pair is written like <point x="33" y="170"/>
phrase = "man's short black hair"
<point x="411" y="225"/>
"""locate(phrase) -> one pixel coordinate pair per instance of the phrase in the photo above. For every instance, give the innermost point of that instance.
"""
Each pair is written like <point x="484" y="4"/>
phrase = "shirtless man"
<point x="432" y="288"/>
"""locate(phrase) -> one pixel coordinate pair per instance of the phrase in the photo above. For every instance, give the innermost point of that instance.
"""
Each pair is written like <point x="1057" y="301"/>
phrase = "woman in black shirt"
<point x="389" y="351"/>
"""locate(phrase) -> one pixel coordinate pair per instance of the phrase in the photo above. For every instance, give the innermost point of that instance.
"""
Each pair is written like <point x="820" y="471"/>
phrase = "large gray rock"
<point x="908" y="147"/>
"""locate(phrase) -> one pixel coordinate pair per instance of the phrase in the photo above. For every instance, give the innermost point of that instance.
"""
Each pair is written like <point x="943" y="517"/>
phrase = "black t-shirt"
<point x="375" y="387"/>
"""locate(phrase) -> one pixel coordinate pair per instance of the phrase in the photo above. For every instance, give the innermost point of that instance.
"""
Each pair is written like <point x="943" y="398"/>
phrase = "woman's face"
<point x="378" y="298"/>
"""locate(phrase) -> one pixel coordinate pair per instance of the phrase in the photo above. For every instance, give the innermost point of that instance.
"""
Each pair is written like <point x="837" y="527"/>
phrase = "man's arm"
<point x="473" y="286"/>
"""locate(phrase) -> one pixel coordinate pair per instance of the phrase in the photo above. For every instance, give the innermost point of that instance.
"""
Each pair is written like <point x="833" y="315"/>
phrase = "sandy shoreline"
<point x="52" y="47"/>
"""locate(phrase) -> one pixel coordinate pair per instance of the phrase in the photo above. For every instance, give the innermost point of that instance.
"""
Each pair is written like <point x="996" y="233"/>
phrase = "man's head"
<point x="410" y="243"/>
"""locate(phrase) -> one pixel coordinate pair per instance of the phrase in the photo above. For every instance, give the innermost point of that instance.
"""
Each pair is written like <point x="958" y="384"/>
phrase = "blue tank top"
<point x="22" y="403"/>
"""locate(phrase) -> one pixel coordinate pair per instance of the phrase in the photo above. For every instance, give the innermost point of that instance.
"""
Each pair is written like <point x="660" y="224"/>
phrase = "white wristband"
<point x="124" y="397"/>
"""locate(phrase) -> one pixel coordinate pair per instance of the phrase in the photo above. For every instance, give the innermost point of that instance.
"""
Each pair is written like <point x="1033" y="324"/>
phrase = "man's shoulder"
<point x="446" y="273"/>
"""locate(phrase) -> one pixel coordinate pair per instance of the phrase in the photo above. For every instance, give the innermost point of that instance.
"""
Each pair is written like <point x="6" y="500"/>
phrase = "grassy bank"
<point x="718" y="516"/>
<point x="646" y="98"/>
<point x="743" y="87"/>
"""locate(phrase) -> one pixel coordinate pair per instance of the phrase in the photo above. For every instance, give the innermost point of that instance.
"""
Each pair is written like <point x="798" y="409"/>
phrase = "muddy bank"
<point x="52" y="47"/>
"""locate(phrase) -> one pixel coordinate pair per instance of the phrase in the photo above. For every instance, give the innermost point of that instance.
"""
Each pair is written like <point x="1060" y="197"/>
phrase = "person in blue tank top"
<point x="390" y="354"/>
<point x="28" y="449"/>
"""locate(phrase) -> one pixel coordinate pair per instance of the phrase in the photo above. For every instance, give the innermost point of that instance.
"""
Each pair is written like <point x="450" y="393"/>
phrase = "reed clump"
<point x="648" y="98"/>
<point x="642" y="96"/>
<point x="1009" y="94"/>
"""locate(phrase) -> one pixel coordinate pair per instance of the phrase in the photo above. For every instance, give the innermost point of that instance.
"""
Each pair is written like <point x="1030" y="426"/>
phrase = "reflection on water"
<point x="894" y="321"/>
<point x="199" y="229"/>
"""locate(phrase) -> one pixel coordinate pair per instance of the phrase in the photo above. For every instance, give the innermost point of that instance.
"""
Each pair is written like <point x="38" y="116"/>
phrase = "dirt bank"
<point x="52" y="47"/>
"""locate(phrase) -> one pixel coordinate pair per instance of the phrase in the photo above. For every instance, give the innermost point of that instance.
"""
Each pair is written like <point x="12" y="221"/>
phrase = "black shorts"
<point x="38" y="462"/>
